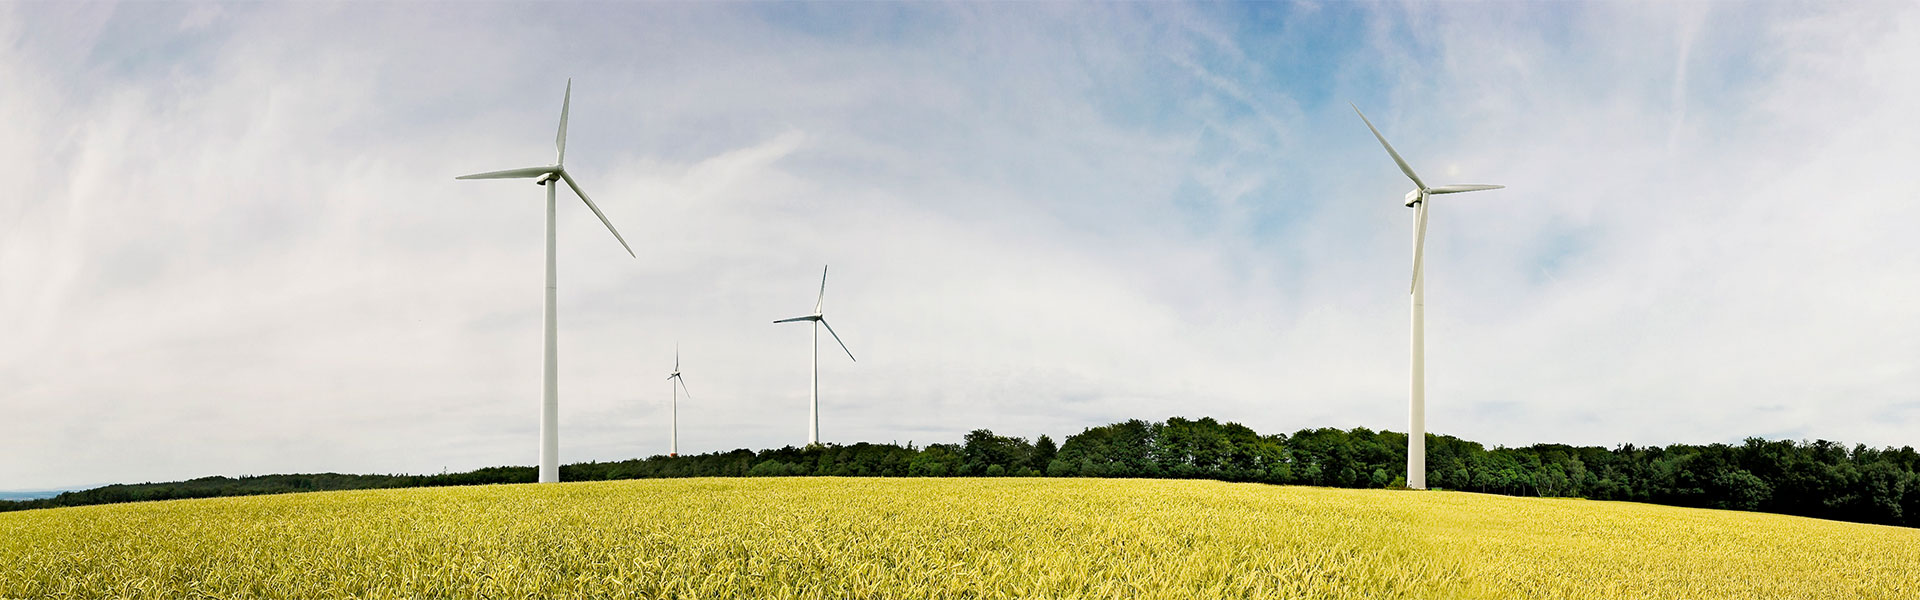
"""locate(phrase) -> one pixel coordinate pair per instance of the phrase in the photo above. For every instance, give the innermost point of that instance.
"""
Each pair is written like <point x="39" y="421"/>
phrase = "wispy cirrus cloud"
<point x="238" y="247"/>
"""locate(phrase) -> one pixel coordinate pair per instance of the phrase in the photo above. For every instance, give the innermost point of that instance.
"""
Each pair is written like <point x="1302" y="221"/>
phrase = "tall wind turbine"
<point x="550" y="391"/>
<point x="673" y="439"/>
<point x="819" y="318"/>
<point x="1417" y="402"/>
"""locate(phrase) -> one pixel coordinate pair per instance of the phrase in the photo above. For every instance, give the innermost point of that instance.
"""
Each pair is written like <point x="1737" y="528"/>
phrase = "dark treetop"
<point x="1816" y="479"/>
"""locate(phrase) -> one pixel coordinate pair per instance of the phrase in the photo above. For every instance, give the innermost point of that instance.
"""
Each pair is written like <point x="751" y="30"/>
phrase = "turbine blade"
<point x="836" y="338"/>
<point x="822" y="300"/>
<point x="1419" y="243"/>
<point x="683" y="388"/>
<point x="596" y="211"/>
<point x="1383" y="142"/>
<point x="805" y="318"/>
<point x="676" y="355"/>
<point x="1463" y="187"/>
<point x="525" y="173"/>
<point x="560" y="139"/>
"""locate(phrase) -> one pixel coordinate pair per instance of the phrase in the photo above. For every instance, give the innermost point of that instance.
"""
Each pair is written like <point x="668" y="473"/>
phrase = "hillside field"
<point x="938" y="538"/>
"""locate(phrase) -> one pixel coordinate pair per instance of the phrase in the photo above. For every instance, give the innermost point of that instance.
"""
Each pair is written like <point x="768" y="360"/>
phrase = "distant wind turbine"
<point x="819" y="318"/>
<point x="673" y="439"/>
<point x="550" y="391"/>
<point x="1417" y="403"/>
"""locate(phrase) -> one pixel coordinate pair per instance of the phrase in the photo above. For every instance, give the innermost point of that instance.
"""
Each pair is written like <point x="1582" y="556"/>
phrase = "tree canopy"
<point x="1821" y="479"/>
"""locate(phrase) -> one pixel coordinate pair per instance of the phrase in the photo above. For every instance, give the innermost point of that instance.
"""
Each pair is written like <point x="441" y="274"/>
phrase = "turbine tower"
<point x="673" y="437"/>
<point x="550" y="390"/>
<point x="1417" y="400"/>
<point x="819" y="318"/>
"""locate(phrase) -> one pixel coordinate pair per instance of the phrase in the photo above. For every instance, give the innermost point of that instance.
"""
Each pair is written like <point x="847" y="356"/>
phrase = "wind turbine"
<point x="550" y="390"/>
<point x="819" y="318"/>
<point x="673" y="439"/>
<point x="1417" y="402"/>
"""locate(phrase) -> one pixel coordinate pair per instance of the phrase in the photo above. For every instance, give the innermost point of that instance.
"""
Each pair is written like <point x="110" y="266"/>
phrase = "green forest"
<point x="1820" y="479"/>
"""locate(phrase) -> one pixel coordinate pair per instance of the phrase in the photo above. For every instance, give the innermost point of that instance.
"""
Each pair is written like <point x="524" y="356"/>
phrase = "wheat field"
<point x="937" y="538"/>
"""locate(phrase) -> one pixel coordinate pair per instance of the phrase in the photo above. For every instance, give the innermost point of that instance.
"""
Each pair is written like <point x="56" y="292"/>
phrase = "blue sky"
<point x="237" y="246"/>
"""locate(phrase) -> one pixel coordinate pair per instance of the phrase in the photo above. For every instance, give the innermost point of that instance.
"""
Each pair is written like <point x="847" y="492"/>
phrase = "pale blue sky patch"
<point x="240" y="248"/>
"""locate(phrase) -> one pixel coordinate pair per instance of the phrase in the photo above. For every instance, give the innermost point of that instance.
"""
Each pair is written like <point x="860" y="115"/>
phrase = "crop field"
<point x="938" y="538"/>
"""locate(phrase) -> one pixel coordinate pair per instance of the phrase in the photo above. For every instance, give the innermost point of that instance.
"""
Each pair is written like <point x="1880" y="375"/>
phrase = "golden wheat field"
<point x="937" y="538"/>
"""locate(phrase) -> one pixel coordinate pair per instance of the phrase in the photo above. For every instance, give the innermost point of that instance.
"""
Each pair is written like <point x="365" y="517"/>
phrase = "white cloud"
<point x="236" y="246"/>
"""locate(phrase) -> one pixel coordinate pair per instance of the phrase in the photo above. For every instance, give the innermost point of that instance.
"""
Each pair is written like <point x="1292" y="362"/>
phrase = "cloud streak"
<point x="239" y="248"/>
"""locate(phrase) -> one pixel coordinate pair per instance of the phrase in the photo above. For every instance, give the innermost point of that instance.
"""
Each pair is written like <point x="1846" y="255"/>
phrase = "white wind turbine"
<point x="1417" y="403"/>
<point x="550" y="391"/>
<point x="673" y="437"/>
<point x="819" y="318"/>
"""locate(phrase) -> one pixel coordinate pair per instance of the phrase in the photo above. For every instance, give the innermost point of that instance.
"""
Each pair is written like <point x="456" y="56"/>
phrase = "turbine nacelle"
<point x="819" y="316"/>
<point x="1414" y="197"/>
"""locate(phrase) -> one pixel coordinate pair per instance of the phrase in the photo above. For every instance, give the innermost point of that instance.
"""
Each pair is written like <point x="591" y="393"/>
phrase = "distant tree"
<point x="984" y="450"/>
<point x="937" y="460"/>
<point x="1117" y="450"/>
<point x="769" y="468"/>
<point x="1044" y="452"/>
<point x="1818" y="479"/>
<point x="1740" y="490"/>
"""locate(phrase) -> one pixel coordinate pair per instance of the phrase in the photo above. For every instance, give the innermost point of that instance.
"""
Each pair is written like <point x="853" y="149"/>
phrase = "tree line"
<point x="1816" y="479"/>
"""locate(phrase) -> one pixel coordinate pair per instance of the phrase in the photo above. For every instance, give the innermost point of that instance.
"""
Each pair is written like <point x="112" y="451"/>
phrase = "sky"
<point x="235" y="246"/>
